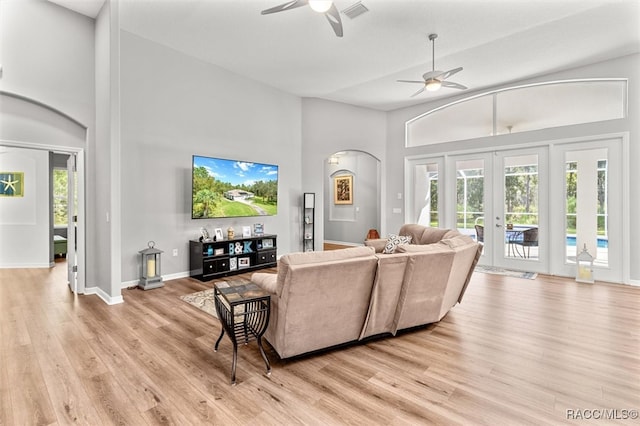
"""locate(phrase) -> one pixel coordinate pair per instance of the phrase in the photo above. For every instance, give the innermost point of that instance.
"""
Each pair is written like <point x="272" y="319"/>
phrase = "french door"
<point x="520" y="210"/>
<point x="500" y="201"/>
<point x="535" y="209"/>
<point x="588" y="206"/>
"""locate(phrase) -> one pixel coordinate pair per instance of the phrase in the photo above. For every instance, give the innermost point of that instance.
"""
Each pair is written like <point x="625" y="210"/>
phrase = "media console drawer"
<point x="266" y="256"/>
<point x="214" y="266"/>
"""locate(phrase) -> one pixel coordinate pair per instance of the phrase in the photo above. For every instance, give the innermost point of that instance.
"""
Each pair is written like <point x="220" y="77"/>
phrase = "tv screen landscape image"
<point x="231" y="188"/>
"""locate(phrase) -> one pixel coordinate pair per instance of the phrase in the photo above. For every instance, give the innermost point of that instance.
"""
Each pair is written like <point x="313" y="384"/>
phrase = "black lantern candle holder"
<point x="150" y="276"/>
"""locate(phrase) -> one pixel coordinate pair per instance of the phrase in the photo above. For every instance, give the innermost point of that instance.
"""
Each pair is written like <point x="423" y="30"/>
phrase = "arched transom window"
<point x="521" y="109"/>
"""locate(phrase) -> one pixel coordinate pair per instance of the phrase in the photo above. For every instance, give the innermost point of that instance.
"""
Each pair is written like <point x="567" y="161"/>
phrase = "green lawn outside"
<point x="235" y="208"/>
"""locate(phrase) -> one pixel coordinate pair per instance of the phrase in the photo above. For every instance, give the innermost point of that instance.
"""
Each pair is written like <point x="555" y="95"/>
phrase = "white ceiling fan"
<point x="321" y="6"/>
<point x="434" y="79"/>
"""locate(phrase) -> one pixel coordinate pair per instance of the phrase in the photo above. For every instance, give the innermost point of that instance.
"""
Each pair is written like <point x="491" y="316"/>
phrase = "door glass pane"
<point x="521" y="207"/>
<point x="470" y="197"/>
<point x="586" y="192"/>
<point x="60" y="210"/>
<point x="426" y="194"/>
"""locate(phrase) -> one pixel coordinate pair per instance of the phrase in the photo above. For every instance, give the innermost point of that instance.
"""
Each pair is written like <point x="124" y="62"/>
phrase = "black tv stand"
<point x="213" y="259"/>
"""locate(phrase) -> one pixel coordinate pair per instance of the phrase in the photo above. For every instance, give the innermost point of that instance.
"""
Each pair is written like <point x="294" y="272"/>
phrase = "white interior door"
<point x="72" y="259"/>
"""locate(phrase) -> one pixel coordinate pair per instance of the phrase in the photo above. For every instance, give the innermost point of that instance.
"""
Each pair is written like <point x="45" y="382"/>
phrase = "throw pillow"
<point x="394" y="241"/>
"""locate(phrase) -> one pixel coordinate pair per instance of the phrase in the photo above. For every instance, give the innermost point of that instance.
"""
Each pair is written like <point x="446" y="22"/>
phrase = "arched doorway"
<point x="352" y="196"/>
<point x="32" y="126"/>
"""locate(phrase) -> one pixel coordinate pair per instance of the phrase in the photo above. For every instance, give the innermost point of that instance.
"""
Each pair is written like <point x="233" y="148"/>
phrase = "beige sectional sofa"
<point x="327" y="298"/>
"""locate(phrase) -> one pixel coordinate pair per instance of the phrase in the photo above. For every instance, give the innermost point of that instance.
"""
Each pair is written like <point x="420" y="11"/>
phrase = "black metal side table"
<point x="243" y="309"/>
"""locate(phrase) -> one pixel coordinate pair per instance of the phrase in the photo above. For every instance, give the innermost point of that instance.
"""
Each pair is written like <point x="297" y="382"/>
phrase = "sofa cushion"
<point x="394" y="241"/>
<point x="377" y="244"/>
<point x="458" y="241"/>
<point x="303" y="258"/>
<point x="412" y="248"/>
<point x="425" y="234"/>
<point x="306" y="258"/>
<point x="266" y="281"/>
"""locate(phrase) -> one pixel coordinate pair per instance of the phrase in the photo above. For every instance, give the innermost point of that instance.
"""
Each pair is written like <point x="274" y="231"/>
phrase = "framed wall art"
<point x="11" y="184"/>
<point x="343" y="189"/>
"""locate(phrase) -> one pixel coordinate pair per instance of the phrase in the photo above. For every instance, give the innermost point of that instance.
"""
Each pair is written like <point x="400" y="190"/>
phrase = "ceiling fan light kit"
<point x="320" y="6"/>
<point x="434" y="85"/>
<point x="433" y="80"/>
<point x="325" y="7"/>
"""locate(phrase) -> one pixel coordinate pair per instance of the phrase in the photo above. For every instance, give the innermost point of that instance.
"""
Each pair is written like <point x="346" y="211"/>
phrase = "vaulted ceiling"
<point x="496" y="41"/>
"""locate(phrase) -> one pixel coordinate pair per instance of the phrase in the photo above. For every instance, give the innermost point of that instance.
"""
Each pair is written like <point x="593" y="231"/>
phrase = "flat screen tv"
<point x="232" y="188"/>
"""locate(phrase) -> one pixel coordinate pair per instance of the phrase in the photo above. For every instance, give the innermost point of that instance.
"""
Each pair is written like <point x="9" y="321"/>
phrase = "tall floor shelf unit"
<point x="308" y="215"/>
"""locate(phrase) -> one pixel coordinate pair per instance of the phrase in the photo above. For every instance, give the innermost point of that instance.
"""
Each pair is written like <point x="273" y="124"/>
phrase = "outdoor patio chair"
<point x="526" y="239"/>
<point x="480" y="233"/>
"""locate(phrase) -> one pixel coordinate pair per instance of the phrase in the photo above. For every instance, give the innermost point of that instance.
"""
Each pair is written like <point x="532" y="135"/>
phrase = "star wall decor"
<point x="11" y="184"/>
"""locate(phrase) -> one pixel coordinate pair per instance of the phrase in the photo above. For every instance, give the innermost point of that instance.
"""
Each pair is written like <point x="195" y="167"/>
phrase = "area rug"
<point x="202" y="300"/>
<point x="507" y="272"/>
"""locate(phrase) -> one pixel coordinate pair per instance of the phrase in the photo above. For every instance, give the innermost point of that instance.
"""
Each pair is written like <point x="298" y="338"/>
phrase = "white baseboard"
<point x="103" y="295"/>
<point x="177" y="275"/>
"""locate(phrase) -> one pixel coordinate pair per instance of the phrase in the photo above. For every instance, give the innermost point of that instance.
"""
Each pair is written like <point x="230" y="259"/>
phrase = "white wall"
<point x="329" y="127"/>
<point x="24" y="221"/>
<point x="625" y="67"/>
<point x="47" y="55"/>
<point x="24" y="121"/>
<point x="175" y="106"/>
<point x="104" y="158"/>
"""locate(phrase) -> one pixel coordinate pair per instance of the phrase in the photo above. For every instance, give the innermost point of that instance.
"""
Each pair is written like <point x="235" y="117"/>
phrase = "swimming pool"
<point x="603" y="242"/>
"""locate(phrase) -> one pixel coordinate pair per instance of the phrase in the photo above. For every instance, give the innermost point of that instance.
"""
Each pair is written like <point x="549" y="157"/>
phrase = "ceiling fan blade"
<point x="451" y="72"/>
<point x="452" y="85"/>
<point x="285" y="6"/>
<point x="411" y="81"/>
<point x="419" y="91"/>
<point x="333" y="16"/>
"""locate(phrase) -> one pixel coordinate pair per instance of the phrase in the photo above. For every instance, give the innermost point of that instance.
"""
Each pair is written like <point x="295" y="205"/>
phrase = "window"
<point x="520" y="109"/>
<point x="60" y="210"/>
<point x="571" y="192"/>
<point x="426" y="190"/>
<point x="469" y="194"/>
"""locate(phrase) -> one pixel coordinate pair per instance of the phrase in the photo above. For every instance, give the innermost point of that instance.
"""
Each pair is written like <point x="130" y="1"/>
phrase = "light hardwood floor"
<point x="332" y="246"/>
<point x="514" y="352"/>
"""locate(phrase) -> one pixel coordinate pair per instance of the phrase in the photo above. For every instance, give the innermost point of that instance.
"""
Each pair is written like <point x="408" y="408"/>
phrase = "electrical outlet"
<point x="175" y="252"/>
